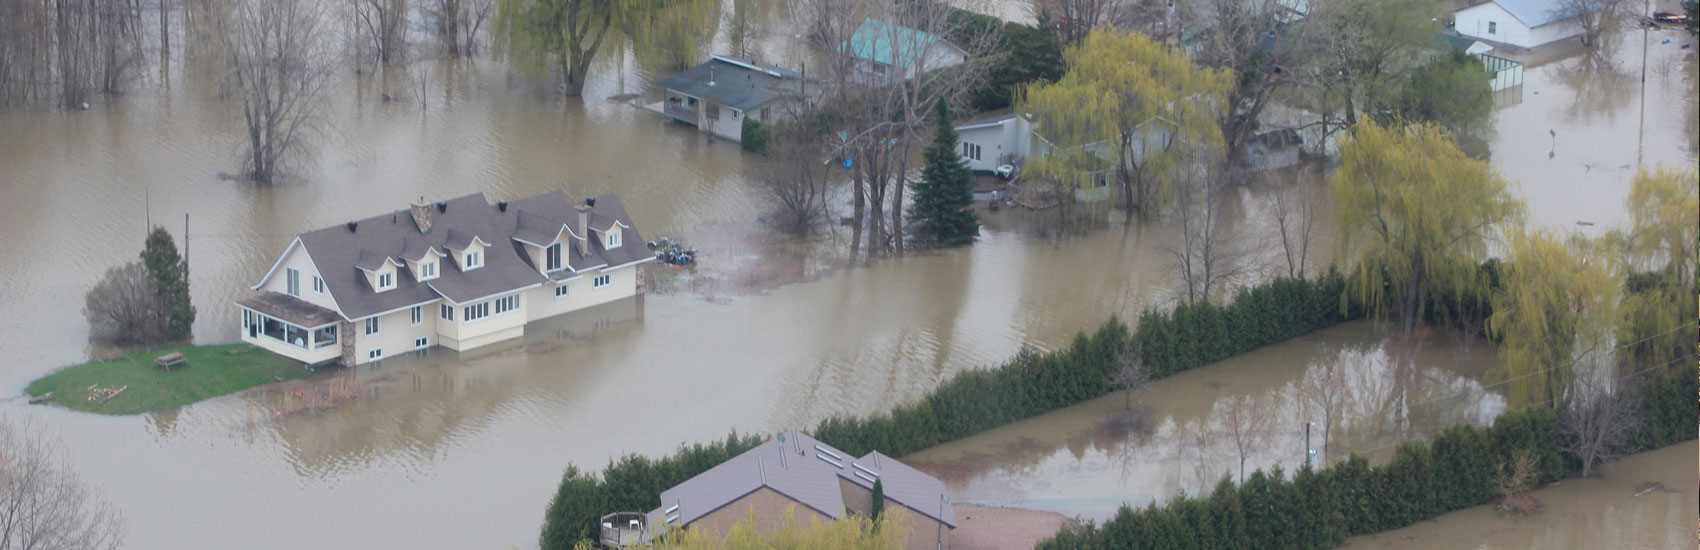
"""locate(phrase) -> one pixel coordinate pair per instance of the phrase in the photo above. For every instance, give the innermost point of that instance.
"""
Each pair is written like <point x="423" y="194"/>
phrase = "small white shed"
<point x="989" y="143"/>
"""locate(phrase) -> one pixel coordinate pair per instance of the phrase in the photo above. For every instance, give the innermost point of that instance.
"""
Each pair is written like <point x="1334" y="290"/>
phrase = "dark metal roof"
<point x="291" y="310"/>
<point x="339" y="253"/>
<point x="741" y="84"/>
<point x="1278" y="138"/>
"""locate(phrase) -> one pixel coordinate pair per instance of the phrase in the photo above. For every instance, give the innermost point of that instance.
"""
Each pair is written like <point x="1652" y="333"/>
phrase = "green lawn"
<point x="209" y="371"/>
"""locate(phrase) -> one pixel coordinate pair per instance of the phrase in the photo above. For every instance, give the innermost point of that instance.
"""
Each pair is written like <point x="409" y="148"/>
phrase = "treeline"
<point x="1461" y="468"/>
<point x="1030" y="384"/>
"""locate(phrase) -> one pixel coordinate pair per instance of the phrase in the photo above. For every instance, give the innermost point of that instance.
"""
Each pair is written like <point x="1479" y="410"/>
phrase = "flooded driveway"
<point x="1089" y="459"/>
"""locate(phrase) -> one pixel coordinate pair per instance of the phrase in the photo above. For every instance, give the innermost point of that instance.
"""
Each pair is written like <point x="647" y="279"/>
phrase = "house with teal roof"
<point x="889" y="52"/>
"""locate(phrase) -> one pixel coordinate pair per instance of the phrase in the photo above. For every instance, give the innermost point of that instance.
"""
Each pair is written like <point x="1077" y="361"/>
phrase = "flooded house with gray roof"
<point x="719" y="94"/>
<point x="460" y="274"/>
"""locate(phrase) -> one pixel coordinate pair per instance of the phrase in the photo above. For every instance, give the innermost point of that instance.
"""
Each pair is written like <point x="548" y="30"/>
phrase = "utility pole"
<point x="1641" y="132"/>
<point x="1310" y="454"/>
<point x="185" y="241"/>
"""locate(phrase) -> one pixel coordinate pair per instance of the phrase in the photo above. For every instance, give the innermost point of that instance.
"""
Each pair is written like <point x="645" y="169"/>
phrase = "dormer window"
<point x="552" y="257"/>
<point x="386" y="280"/>
<point x="428" y="270"/>
<point x="613" y="240"/>
<point x="474" y="260"/>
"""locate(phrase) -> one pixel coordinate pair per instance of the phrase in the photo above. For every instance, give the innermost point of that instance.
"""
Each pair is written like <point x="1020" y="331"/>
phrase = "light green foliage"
<point x="1414" y="215"/>
<point x="559" y="37"/>
<point x="171" y="275"/>
<point x="944" y="198"/>
<point x="1556" y="306"/>
<point x="849" y="533"/>
<point x="1367" y="48"/>
<point x="667" y="35"/>
<point x="1659" y="254"/>
<point x="1128" y="108"/>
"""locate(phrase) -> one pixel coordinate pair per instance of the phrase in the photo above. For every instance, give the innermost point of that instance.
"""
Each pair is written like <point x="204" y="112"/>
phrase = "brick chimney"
<point x="422" y="215"/>
<point x="583" y="229"/>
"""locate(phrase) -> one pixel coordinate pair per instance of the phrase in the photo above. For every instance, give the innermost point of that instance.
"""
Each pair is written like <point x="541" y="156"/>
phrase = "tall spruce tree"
<point x="944" y="198"/>
<point x="171" y="273"/>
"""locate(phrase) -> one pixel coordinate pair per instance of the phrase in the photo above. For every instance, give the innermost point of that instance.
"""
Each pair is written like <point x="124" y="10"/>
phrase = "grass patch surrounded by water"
<point x="208" y="372"/>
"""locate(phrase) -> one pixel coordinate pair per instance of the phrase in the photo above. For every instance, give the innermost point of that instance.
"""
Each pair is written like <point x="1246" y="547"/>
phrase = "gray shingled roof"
<point x="731" y="81"/>
<point x="807" y="471"/>
<point x="291" y="309"/>
<point x="339" y="253"/>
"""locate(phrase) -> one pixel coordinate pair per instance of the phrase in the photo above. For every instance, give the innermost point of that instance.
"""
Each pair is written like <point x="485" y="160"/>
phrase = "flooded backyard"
<point x="446" y="450"/>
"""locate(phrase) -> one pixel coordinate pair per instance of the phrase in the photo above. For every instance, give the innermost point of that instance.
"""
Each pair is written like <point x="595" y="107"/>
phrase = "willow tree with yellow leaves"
<point x="1554" y="313"/>
<point x="1128" y="108"/>
<point x="1657" y="322"/>
<point x="561" y="38"/>
<point x="1415" y="215"/>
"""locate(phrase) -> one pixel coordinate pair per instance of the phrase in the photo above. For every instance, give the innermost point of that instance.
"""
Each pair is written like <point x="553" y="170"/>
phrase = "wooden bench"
<point x="169" y="360"/>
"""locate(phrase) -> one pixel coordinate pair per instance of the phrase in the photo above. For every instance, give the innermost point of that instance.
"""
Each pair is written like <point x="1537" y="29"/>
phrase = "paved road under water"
<point x="462" y="451"/>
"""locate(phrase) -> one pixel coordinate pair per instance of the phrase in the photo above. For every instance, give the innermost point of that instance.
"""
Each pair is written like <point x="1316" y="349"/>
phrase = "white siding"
<point x="730" y="125"/>
<point x="581" y="294"/>
<point x="1474" y="21"/>
<point x="298" y="259"/>
<point x="1553" y="32"/>
<point x="462" y="335"/>
<point x="396" y="333"/>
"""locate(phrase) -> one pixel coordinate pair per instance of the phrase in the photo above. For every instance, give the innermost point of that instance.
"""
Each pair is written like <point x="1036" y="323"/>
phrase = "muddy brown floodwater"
<point x="446" y="450"/>
<point x="1089" y="459"/>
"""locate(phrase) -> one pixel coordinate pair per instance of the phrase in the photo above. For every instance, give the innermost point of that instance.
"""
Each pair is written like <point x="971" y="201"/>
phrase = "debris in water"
<point x="1650" y="486"/>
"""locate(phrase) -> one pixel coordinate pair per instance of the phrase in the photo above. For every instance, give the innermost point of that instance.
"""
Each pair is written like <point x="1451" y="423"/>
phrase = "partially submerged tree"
<point x="1139" y="108"/>
<point x="1253" y="41"/>
<point x="1211" y="252"/>
<point x="798" y="181"/>
<point x="1556" y="308"/>
<point x="124" y="307"/>
<point x="457" y="23"/>
<point x="279" y="63"/>
<point x="1131" y="374"/>
<point x="1294" y="209"/>
<point x="1324" y="386"/>
<point x="1597" y="420"/>
<point x="1658" y="252"/>
<point x="1595" y="18"/>
<point x="1414" y="215"/>
<point x="1246" y="421"/>
<point x="944" y="198"/>
<point x="382" y="26"/>
<point x="43" y="504"/>
<point x="1454" y="92"/>
<point x="1360" y="52"/>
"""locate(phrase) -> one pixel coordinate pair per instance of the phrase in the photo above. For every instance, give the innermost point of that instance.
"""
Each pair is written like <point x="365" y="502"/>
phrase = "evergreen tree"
<point x="878" y="508"/>
<point x="944" y="198"/>
<point x="171" y="274"/>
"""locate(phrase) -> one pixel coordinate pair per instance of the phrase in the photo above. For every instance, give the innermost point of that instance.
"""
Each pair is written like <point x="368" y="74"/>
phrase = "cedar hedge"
<point x="1029" y="384"/>
<point x="1318" y="509"/>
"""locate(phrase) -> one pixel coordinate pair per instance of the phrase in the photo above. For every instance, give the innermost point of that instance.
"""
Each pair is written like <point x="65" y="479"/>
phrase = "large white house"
<point x="461" y="273"/>
<point x="1522" y="23"/>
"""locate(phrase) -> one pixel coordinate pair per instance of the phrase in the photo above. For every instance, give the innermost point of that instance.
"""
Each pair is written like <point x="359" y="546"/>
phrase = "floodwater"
<point x="448" y="450"/>
<point x="1088" y="460"/>
<point x="1599" y="512"/>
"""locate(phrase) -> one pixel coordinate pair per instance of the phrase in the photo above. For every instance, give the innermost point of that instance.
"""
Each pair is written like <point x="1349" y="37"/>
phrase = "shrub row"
<point x="1029" y="384"/>
<point x="1317" y="509"/>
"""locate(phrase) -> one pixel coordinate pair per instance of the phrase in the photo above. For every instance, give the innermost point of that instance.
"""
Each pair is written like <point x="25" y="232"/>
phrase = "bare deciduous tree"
<point x="382" y="25"/>
<point x="43" y="504"/>
<point x="457" y="23"/>
<point x="124" y="308"/>
<point x="1131" y="374"/>
<point x="1324" y="386"/>
<point x="797" y="183"/>
<point x="1295" y="218"/>
<point x="1249" y="37"/>
<point x="65" y="51"/>
<point x="279" y="64"/>
<point x="1596" y="420"/>
<point x="1211" y="253"/>
<point x="1074" y="19"/>
<point x="1246" y="421"/>
<point x="1596" y="18"/>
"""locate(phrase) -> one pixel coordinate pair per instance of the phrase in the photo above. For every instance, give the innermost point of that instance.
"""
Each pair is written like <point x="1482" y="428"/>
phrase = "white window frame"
<point x="416" y="315"/>
<point x="614" y="238"/>
<point x="421" y="342"/>
<point x="372" y="325"/>
<point x="292" y="281"/>
<point x="386" y="281"/>
<point x="476" y="312"/>
<point x="602" y="281"/>
<point x="473" y="259"/>
<point x="318" y="285"/>
<point x="552" y="259"/>
<point x="427" y="270"/>
<point x="561" y="291"/>
<point x="506" y="304"/>
<point x="446" y="312"/>
<point x="375" y="354"/>
<point x="1493" y="27"/>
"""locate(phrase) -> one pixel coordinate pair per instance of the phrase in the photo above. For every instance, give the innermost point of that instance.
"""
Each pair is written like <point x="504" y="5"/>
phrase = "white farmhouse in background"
<point x="1522" y="23"/>
<point x="462" y="273"/>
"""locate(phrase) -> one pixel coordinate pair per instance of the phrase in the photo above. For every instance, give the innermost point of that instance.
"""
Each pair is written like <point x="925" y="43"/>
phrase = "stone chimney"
<point x="583" y="229"/>
<point x="422" y="215"/>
